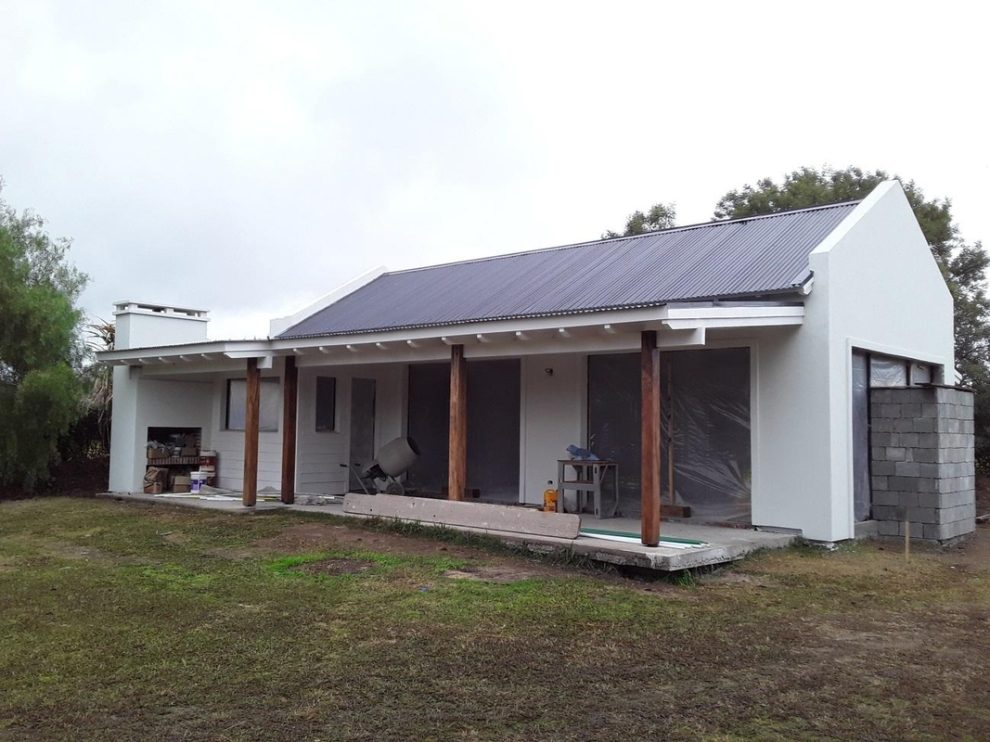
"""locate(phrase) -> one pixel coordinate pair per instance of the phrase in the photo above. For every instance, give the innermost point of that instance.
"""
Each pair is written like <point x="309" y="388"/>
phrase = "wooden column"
<point x="290" y="385"/>
<point x="457" y="467"/>
<point x="650" y="423"/>
<point x="251" y="420"/>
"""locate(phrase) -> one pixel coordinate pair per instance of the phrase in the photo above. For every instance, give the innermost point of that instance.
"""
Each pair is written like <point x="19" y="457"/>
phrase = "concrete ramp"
<point x="452" y="513"/>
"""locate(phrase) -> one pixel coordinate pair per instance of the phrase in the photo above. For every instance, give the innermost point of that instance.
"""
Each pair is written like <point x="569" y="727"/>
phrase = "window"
<point x="326" y="404"/>
<point x="268" y="407"/>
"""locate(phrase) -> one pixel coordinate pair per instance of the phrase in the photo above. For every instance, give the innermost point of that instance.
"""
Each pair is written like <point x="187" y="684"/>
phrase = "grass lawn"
<point x="124" y="621"/>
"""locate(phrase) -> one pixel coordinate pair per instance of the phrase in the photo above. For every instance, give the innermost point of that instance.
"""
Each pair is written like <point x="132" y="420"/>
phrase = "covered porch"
<point x="493" y="408"/>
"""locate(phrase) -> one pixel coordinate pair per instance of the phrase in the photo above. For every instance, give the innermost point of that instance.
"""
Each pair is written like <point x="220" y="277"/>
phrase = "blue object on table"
<point x="581" y="453"/>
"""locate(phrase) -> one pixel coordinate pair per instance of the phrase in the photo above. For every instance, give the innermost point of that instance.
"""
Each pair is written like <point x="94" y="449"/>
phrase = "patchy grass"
<point x="136" y="622"/>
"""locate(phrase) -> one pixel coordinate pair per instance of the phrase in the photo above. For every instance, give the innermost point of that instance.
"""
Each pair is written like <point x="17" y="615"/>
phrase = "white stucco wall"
<point x="229" y="444"/>
<point x="554" y="415"/>
<point x="137" y="329"/>
<point x="876" y="287"/>
<point x="320" y="454"/>
<point x="141" y="403"/>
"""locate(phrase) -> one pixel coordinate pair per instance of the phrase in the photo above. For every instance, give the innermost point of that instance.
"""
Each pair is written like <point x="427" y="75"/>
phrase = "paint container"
<point x="198" y="480"/>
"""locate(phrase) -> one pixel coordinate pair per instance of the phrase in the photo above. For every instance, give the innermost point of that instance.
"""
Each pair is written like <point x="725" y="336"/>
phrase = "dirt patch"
<point x="336" y="567"/>
<point x="310" y="537"/>
<point x="489" y="573"/>
<point x="973" y="554"/>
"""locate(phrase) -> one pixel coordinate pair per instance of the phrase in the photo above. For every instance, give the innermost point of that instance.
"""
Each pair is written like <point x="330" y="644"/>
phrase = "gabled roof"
<point x="741" y="258"/>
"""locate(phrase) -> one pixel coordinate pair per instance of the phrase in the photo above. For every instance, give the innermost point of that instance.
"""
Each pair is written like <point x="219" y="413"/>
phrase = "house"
<point x="791" y="371"/>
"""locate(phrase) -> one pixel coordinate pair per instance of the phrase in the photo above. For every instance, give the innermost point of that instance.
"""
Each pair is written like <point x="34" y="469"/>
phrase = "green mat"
<point x="627" y="534"/>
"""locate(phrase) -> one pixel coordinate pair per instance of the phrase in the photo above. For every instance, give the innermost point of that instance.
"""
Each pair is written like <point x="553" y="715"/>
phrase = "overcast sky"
<point x="248" y="158"/>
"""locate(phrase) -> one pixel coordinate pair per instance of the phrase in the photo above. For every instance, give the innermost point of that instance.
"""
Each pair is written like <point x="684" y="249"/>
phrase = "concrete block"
<point x="889" y="528"/>
<point x="895" y="453"/>
<point x="470" y="514"/>
<point x="945" y="531"/>
<point x="881" y="439"/>
<point x="922" y="515"/>
<point x="960" y="512"/>
<point x="889" y="410"/>
<point x="908" y="440"/>
<point x="935" y="532"/>
<point x="907" y="469"/>
<point x="911" y="410"/>
<point x="880" y="396"/>
<point x="879" y="484"/>
<point x="886" y="498"/>
<point x="882" y="468"/>
<point x="881" y="424"/>
<point x="921" y="424"/>
<point x="951" y="484"/>
<point x="889" y="512"/>
<point x="913" y="395"/>
<point x="928" y="440"/>
<point x="904" y="484"/>
<point x="926" y="455"/>
<point x="949" y="425"/>
<point x="929" y="410"/>
<point x="955" y="499"/>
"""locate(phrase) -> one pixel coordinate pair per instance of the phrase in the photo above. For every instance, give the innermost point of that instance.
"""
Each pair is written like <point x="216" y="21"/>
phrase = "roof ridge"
<point x="669" y="230"/>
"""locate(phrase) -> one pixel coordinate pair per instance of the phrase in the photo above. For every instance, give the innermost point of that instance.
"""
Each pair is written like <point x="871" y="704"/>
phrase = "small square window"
<point x="326" y="404"/>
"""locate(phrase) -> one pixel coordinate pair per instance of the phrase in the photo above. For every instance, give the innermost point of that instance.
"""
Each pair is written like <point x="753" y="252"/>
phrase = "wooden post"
<point x="650" y="424"/>
<point x="290" y="386"/>
<point x="251" y="420"/>
<point x="457" y="467"/>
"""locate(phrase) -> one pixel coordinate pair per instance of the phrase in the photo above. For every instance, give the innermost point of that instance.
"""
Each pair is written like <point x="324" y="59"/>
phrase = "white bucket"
<point x="198" y="480"/>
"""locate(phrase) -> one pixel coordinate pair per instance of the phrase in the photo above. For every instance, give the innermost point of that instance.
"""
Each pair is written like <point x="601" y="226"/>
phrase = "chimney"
<point x="142" y="325"/>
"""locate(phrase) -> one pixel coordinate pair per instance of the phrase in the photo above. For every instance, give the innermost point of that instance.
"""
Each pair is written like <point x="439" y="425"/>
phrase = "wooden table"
<point x="588" y="477"/>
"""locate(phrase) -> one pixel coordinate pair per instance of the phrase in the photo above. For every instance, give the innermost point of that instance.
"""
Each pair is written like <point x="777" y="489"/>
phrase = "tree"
<point x="660" y="216"/>
<point x="40" y="353"/>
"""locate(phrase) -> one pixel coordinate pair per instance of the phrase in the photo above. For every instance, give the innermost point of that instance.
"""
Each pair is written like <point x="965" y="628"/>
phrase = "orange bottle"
<point x="550" y="498"/>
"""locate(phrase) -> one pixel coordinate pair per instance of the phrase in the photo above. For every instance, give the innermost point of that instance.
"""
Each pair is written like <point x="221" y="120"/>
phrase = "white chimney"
<point x="142" y="325"/>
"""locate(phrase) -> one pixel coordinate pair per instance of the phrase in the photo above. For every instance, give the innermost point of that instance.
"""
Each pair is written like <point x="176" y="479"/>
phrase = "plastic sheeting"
<point x="862" y="495"/>
<point x="493" y="426"/>
<point x="708" y="394"/>
<point x="887" y="371"/>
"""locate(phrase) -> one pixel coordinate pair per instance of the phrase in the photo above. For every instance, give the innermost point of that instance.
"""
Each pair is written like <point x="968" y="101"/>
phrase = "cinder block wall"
<point x="923" y="466"/>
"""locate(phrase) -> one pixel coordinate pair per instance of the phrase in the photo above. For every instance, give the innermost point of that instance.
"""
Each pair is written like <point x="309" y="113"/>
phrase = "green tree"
<point x="659" y="216"/>
<point x="40" y="353"/>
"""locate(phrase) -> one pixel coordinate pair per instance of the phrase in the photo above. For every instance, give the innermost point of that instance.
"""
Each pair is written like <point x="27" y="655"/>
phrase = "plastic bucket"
<point x="198" y="480"/>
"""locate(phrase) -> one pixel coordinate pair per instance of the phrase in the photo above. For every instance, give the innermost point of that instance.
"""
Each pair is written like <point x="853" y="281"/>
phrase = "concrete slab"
<point x="503" y="518"/>
<point x="717" y="545"/>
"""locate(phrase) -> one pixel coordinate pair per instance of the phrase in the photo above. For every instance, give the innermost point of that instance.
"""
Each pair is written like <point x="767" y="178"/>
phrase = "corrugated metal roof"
<point x="739" y="258"/>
